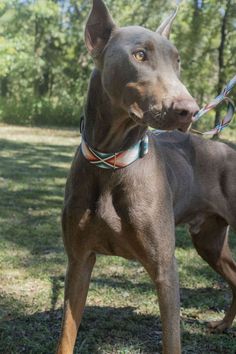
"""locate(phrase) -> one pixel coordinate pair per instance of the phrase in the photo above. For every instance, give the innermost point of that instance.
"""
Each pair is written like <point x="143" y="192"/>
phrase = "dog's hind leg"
<point x="211" y="242"/>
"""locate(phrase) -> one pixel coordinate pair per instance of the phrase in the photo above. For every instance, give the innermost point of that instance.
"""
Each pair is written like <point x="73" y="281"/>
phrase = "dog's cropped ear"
<point x="98" y="28"/>
<point x="165" y="28"/>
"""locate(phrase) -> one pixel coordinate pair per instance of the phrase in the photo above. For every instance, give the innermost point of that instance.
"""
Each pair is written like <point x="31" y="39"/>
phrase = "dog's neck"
<point x="108" y="128"/>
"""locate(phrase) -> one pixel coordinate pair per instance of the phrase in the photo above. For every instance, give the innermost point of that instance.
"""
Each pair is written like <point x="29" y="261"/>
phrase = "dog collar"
<point x="115" y="160"/>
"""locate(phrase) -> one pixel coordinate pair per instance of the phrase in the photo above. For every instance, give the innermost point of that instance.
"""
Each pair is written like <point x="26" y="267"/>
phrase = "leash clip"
<point x="81" y="124"/>
<point x="143" y="147"/>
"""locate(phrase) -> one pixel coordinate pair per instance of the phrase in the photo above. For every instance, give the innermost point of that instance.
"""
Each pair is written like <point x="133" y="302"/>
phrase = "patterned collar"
<point x="115" y="160"/>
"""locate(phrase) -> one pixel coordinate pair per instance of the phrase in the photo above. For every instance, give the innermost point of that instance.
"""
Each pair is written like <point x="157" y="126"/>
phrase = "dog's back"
<point x="200" y="173"/>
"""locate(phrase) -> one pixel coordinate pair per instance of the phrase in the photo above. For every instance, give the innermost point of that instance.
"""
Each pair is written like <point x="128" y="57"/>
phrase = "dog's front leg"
<point x="168" y="294"/>
<point x="76" y="288"/>
<point x="163" y="271"/>
<point x="80" y="265"/>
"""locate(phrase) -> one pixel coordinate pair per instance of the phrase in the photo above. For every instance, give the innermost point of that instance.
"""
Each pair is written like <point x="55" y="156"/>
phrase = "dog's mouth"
<point x="185" y="127"/>
<point x="173" y="119"/>
<point x="161" y="120"/>
<point x="137" y="119"/>
<point x="162" y="112"/>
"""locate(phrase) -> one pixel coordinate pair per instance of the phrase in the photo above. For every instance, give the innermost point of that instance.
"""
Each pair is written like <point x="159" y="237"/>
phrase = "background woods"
<point x="44" y="66"/>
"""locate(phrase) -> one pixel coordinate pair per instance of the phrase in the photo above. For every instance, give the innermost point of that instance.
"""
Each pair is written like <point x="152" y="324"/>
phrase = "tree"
<point x="44" y="65"/>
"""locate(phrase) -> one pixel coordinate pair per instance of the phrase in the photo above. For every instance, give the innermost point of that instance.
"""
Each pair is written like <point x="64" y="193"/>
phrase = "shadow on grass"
<point x="101" y="326"/>
<point x="32" y="180"/>
<point x="113" y="329"/>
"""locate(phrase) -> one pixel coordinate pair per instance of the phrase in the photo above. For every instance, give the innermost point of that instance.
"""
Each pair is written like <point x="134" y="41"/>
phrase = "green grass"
<point x="121" y="314"/>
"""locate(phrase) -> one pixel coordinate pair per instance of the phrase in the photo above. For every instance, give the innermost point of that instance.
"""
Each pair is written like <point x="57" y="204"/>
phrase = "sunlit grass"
<point x="121" y="315"/>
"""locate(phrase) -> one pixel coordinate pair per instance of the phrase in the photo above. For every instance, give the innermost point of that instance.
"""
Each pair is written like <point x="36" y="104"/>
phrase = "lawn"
<point x="121" y="314"/>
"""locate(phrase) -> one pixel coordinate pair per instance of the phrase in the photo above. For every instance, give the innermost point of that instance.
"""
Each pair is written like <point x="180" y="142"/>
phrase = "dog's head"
<point x="140" y="70"/>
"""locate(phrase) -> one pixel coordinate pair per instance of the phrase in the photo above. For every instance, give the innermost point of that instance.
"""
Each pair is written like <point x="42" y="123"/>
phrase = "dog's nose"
<point x="185" y="109"/>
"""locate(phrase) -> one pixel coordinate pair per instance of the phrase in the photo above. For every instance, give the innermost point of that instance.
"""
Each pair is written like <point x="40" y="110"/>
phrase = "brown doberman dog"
<point x="174" y="177"/>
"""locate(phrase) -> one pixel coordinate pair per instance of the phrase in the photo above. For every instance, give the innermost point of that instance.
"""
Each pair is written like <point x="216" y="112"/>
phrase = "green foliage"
<point x="40" y="111"/>
<point x="44" y="65"/>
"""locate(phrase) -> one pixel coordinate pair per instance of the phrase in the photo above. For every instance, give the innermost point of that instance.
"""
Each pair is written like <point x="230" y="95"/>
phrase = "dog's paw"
<point x="218" y="326"/>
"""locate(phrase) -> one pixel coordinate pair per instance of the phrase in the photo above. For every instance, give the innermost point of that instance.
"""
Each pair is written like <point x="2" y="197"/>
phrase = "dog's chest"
<point x="107" y="213"/>
<point x="105" y="228"/>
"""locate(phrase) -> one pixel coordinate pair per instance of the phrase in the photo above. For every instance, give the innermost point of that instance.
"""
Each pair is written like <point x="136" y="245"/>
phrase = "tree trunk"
<point x="221" y="59"/>
<point x="41" y="82"/>
<point x="4" y="86"/>
<point x="37" y="41"/>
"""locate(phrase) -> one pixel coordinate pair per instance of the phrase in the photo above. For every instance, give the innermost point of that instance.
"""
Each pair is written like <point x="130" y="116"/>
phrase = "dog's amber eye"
<point x="140" y="55"/>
